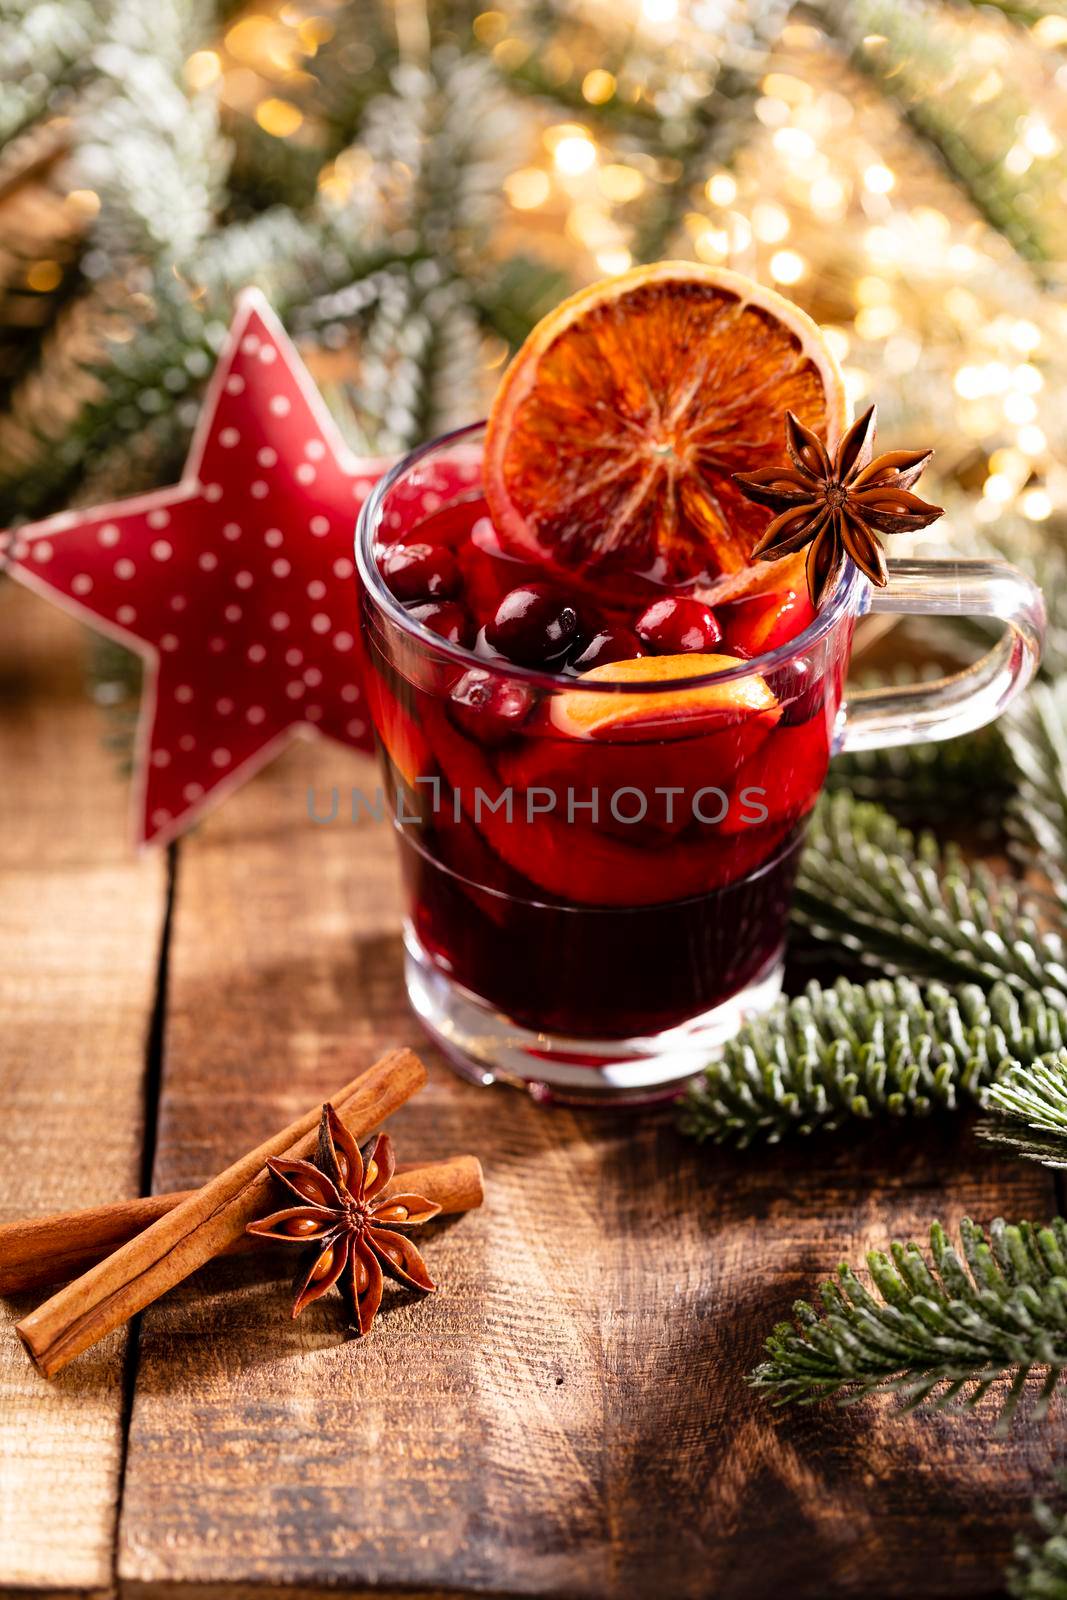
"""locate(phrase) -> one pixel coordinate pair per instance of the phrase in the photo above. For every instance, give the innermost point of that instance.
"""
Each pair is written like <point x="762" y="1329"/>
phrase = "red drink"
<point x="604" y="716"/>
<point x="600" y="801"/>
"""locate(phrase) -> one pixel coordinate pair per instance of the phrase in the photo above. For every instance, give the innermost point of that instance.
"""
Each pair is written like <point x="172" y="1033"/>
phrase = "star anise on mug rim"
<point x="352" y="1230"/>
<point x="838" y="506"/>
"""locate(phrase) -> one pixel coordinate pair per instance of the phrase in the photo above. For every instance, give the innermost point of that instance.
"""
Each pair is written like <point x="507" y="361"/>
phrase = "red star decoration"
<point x="237" y="585"/>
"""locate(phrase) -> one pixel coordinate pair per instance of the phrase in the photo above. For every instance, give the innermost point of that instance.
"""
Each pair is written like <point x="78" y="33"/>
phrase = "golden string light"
<point x="830" y="196"/>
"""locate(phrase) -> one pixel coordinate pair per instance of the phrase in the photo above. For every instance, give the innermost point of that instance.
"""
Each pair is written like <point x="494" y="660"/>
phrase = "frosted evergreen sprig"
<point x="903" y="903"/>
<point x="1028" y="1103"/>
<point x="1041" y="551"/>
<point x="929" y="63"/>
<point x="1036" y="731"/>
<point x="1040" y="1568"/>
<point x="860" y="1051"/>
<point x="45" y="47"/>
<point x="122" y="385"/>
<point x="942" y="1331"/>
<point x="713" y="132"/>
<point x="147" y="146"/>
<point x="932" y="781"/>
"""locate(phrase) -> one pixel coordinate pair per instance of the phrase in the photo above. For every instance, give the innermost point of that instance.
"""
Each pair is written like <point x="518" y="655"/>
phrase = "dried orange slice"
<point x="617" y="429"/>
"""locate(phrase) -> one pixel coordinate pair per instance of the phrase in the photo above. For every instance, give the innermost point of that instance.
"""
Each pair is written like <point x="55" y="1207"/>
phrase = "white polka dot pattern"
<point x="253" y="551"/>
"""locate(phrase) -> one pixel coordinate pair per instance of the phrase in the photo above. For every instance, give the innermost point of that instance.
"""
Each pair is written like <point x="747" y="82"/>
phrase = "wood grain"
<point x="44" y="1251"/>
<point x="208" y="1223"/>
<point x="568" y="1416"/>
<point x="80" y="927"/>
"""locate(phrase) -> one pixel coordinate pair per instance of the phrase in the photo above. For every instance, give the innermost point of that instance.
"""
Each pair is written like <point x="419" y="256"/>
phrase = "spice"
<point x="838" y="507"/>
<point x="39" y="1252"/>
<point x="200" y="1228"/>
<point x="349" y="1221"/>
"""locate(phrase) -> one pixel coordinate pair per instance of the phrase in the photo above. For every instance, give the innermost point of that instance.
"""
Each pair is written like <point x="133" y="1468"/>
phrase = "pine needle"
<point x="1040" y="1569"/>
<point x="904" y="904"/>
<point x="938" y="1331"/>
<point x="1036" y="732"/>
<point x="935" y="782"/>
<point x="929" y="63"/>
<point x="860" y="1051"/>
<point x="1029" y="1106"/>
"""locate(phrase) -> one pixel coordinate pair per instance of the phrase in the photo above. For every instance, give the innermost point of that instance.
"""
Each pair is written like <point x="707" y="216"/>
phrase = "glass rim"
<point x="849" y="581"/>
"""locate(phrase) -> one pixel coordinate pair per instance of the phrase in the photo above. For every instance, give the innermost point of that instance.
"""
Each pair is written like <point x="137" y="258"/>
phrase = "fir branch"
<point x="929" y="64"/>
<point x="942" y="1331"/>
<point x="1036" y="732"/>
<point x="105" y="375"/>
<point x="1040" y="1569"/>
<point x="1029" y="1103"/>
<point x="154" y="157"/>
<point x="518" y="295"/>
<point x="689" y="133"/>
<point x="351" y="68"/>
<point x="45" y="47"/>
<point x="1041" y="552"/>
<point x="943" y="780"/>
<point x="905" y="905"/>
<point x="151" y="152"/>
<point x="939" y="781"/>
<point x="397" y="357"/>
<point x="859" y="1051"/>
<point x="468" y="129"/>
<point x="109" y="380"/>
<point x="41" y="444"/>
<point x="714" y="131"/>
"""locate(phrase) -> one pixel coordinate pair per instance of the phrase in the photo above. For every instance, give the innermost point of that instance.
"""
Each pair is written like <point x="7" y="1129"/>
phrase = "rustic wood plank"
<point x="569" y="1415"/>
<point x="80" y="925"/>
<point x="722" y="1493"/>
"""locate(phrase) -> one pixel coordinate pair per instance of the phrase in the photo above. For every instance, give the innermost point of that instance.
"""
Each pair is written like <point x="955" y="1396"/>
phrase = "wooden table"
<point x="569" y="1415"/>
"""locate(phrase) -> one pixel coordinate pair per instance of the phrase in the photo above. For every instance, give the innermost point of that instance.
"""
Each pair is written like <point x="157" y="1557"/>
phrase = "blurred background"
<point x="414" y="184"/>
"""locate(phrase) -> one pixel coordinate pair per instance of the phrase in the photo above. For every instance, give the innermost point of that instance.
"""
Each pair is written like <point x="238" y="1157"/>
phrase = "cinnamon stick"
<point x="43" y="1251"/>
<point x="202" y="1226"/>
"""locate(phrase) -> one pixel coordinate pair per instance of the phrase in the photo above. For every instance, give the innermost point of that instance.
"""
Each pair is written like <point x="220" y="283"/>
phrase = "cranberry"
<point x="675" y="626"/>
<point x="451" y="525"/>
<point x="421" y="571"/>
<point x="610" y="644"/>
<point x="533" y="625"/>
<point x="489" y="707"/>
<point x="762" y="622"/>
<point x="446" y="617"/>
<point x="800" y="691"/>
<point x="483" y="648"/>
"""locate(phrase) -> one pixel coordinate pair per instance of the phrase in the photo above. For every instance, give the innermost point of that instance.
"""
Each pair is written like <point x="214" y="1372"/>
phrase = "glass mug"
<point x="598" y="875"/>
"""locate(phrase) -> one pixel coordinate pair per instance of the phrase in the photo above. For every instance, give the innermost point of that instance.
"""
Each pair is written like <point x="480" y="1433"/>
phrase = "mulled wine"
<point x="606" y="636"/>
<point x="599" y="803"/>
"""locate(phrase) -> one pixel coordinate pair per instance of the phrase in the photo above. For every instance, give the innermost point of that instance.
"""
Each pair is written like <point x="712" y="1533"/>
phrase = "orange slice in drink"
<point x="614" y="714"/>
<point x="617" y="429"/>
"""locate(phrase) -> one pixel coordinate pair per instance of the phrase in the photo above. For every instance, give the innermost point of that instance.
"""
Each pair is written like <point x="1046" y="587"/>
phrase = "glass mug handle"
<point x="875" y="719"/>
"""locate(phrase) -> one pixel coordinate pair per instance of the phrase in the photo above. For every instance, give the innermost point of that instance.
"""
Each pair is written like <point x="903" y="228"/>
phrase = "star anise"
<point x="348" y="1222"/>
<point x="838" y="507"/>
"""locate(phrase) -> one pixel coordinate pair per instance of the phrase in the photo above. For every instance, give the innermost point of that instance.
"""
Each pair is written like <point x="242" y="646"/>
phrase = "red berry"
<point x="677" y="625"/>
<point x="610" y="644"/>
<point x="451" y="525"/>
<point x="799" y="689"/>
<point x="533" y="625"/>
<point x="762" y="622"/>
<point x="446" y="617"/>
<point x="420" y="571"/>
<point x="489" y="707"/>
